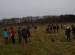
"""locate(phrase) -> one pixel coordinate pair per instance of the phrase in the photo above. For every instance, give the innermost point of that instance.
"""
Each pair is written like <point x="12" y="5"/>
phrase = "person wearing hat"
<point x="68" y="33"/>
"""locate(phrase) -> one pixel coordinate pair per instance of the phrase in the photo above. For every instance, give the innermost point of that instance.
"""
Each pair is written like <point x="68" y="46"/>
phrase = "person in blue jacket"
<point x="5" y="33"/>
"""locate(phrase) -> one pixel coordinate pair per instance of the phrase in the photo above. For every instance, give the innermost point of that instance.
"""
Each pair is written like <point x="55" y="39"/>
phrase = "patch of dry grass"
<point x="41" y="44"/>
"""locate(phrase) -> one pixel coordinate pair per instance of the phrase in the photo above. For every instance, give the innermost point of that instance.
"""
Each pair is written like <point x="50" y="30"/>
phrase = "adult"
<point x="54" y="28"/>
<point x="73" y="31"/>
<point x="26" y="34"/>
<point x="51" y="28"/>
<point x="48" y="29"/>
<point x="57" y="27"/>
<point x="12" y="33"/>
<point x="20" y="34"/>
<point x="68" y="33"/>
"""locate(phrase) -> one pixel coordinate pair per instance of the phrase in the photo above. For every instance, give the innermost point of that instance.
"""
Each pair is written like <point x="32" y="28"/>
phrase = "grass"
<point x="40" y="44"/>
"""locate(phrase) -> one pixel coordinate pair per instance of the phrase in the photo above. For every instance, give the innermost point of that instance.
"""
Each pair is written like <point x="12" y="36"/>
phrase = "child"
<point x="5" y="33"/>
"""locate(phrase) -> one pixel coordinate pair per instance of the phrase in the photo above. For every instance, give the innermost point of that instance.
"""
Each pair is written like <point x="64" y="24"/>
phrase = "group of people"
<point x="68" y="30"/>
<point x="22" y="33"/>
<point x="52" y="28"/>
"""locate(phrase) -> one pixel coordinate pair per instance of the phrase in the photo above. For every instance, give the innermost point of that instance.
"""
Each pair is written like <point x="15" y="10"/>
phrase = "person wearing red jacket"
<point x="12" y="33"/>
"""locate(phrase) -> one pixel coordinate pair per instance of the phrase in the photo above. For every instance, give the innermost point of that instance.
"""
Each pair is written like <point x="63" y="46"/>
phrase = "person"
<point x="68" y="33"/>
<point x="73" y="31"/>
<point x="48" y="29"/>
<point x="20" y="34"/>
<point x="57" y="27"/>
<point x="12" y="33"/>
<point x="26" y="34"/>
<point x="51" y="28"/>
<point x="5" y="33"/>
<point x="54" y="28"/>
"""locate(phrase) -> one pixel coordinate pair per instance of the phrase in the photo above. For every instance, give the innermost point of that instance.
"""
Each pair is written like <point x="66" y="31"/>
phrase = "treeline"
<point x="68" y="18"/>
<point x="57" y="19"/>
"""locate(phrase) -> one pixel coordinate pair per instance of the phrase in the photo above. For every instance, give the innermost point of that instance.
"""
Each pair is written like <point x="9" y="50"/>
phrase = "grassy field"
<point x="40" y="44"/>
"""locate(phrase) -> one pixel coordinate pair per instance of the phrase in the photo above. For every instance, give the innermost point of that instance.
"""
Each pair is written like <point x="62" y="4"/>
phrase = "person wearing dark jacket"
<point x="51" y="28"/>
<point x="68" y="33"/>
<point x="54" y="28"/>
<point x="48" y="29"/>
<point x="20" y="34"/>
<point x="73" y="31"/>
<point x="26" y="34"/>
<point x="57" y="27"/>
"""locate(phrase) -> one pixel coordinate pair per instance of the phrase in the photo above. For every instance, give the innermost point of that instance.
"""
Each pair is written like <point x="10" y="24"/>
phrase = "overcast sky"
<point x="22" y="8"/>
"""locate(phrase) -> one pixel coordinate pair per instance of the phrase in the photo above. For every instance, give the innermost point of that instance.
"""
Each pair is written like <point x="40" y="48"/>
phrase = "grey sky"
<point x="22" y="8"/>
